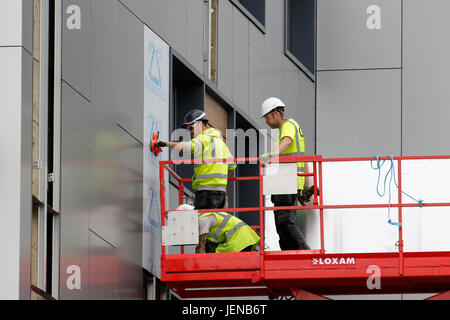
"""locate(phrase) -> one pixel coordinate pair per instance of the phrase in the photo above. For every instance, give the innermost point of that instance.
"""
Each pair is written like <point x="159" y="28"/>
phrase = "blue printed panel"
<point x="156" y="120"/>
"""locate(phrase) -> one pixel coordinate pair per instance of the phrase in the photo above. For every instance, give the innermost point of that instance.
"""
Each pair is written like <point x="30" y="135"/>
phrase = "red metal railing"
<point x="318" y="202"/>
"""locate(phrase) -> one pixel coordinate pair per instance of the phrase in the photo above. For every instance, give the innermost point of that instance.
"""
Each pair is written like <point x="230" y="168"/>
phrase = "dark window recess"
<point x="300" y="34"/>
<point x="255" y="9"/>
<point x="247" y="191"/>
<point x="188" y="94"/>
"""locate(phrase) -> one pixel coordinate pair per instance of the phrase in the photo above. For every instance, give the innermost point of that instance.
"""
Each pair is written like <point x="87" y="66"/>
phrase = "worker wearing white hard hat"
<point x="290" y="142"/>
<point x="223" y="232"/>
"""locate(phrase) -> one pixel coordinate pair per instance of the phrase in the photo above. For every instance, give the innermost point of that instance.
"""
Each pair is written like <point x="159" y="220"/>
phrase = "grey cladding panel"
<point x="169" y="20"/>
<point x="104" y="269"/>
<point x="130" y="54"/>
<point x="26" y="174"/>
<point x="256" y="67"/>
<point x="27" y="25"/>
<point x="299" y="96"/>
<point x="240" y="60"/>
<point x="75" y="195"/>
<point x="274" y="49"/>
<point x="426" y="78"/>
<point x="225" y="48"/>
<point x="194" y="46"/>
<point x="136" y="6"/>
<point x="345" y="42"/>
<point x="358" y="113"/>
<point x="104" y="62"/>
<point x="76" y="45"/>
<point x="116" y="191"/>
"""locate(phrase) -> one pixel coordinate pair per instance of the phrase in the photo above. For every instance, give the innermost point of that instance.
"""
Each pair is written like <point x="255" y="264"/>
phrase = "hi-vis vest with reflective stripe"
<point x="210" y="176"/>
<point x="297" y="148"/>
<point x="231" y="233"/>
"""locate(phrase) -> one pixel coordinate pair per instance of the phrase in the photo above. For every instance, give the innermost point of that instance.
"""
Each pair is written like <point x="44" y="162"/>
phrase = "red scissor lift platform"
<point x="304" y="274"/>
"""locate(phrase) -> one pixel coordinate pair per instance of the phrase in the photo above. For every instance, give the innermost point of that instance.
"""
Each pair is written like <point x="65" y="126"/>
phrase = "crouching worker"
<point x="223" y="232"/>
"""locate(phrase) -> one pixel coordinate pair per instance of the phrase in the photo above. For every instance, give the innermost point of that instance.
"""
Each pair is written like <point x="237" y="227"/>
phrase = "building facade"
<point x="362" y="78"/>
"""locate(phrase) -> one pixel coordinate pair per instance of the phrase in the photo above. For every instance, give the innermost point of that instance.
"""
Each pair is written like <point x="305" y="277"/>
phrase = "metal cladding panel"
<point x="115" y="174"/>
<point x="240" y="60"/>
<point x="26" y="174"/>
<point x="273" y="51"/>
<point x="129" y="200"/>
<point x="195" y="17"/>
<point x="15" y="186"/>
<point x="168" y="19"/>
<point x="76" y="45"/>
<point x="426" y="95"/>
<point x="345" y="39"/>
<point x="105" y="117"/>
<point x="104" y="269"/>
<point x="116" y="116"/>
<point x="225" y="48"/>
<point x="10" y="95"/>
<point x="256" y="78"/>
<point x="299" y="96"/>
<point x="27" y="24"/>
<point x="136" y="6"/>
<point x="358" y="113"/>
<point x="75" y="194"/>
<point x="104" y="63"/>
<point x="11" y="23"/>
<point x="130" y="54"/>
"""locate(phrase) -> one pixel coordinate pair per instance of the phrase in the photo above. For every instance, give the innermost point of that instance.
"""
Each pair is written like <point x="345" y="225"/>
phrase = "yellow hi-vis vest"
<point x="210" y="176"/>
<point x="230" y="233"/>
<point x="297" y="148"/>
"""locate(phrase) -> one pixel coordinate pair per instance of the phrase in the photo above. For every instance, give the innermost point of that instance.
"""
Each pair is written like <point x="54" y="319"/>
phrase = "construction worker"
<point x="223" y="232"/>
<point x="290" y="142"/>
<point x="210" y="179"/>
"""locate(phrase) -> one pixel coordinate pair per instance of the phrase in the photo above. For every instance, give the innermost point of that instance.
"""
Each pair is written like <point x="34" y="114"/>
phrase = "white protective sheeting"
<point x="368" y="230"/>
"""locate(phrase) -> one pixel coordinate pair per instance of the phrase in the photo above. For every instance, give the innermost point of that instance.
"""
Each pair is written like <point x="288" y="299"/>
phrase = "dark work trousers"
<point x="207" y="199"/>
<point x="291" y="238"/>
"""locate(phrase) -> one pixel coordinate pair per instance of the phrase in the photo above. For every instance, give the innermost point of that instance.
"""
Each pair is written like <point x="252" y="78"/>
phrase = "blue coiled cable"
<point x="390" y="172"/>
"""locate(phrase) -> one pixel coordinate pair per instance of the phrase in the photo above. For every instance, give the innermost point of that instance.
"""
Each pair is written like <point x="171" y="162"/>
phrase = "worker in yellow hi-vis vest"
<point x="290" y="143"/>
<point x="210" y="179"/>
<point x="223" y="232"/>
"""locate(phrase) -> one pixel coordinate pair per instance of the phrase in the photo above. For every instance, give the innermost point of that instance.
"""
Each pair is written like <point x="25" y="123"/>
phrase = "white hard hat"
<point x="185" y="207"/>
<point x="269" y="104"/>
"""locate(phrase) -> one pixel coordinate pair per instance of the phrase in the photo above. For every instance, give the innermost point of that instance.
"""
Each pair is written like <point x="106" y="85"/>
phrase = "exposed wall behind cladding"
<point x="102" y="152"/>
<point x="252" y="66"/>
<point x="426" y="77"/>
